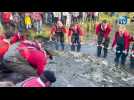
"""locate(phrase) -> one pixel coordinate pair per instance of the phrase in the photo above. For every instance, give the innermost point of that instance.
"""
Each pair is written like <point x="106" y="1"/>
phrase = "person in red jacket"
<point x="75" y="31"/>
<point x="4" y="45"/>
<point x="6" y="40"/>
<point x="25" y="57"/>
<point x="132" y="57"/>
<point x="58" y="32"/>
<point x="122" y="40"/>
<point x="45" y="80"/>
<point x="16" y="37"/>
<point x="6" y="19"/>
<point x="103" y="30"/>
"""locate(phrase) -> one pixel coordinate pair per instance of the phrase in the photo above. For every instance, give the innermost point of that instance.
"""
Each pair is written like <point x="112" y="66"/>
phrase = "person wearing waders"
<point x="75" y="31"/>
<point x="57" y="32"/>
<point x="103" y="30"/>
<point x="122" y="40"/>
<point x="25" y="57"/>
<point x="45" y="80"/>
<point x="132" y="57"/>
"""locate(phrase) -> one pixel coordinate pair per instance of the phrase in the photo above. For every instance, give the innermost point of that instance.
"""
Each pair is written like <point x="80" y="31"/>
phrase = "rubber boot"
<point x="99" y="51"/>
<point x="72" y="47"/>
<point x="78" y="47"/>
<point x="105" y="52"/>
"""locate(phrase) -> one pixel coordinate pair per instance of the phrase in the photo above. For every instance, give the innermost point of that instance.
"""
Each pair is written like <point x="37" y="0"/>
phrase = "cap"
<point x="48" y="75"/>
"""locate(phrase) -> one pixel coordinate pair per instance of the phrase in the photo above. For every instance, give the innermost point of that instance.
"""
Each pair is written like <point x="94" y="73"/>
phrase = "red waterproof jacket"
<point x="77" y="29"/>
<point x="29" y="52"/>
<point x="127" y="39"/>
<point x="32" y="82"/>
<point x="55" y="29"/>
<point x="4" y="45"/>
<point x="6" y="17"/>
<point x="16" y="37"/>
<point x="106" y="31"/>
<point x="36" y="57"/>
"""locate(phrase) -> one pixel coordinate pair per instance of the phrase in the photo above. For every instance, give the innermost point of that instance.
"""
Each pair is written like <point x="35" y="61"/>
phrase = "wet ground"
<point x="84" y="69"/>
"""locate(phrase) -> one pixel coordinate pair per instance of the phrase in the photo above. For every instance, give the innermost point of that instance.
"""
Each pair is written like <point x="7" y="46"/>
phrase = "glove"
<point x="50" y="39"/>
<point x="113" y="49"/>
<point x="125" y="52"/>
<point x="49" y="54"/>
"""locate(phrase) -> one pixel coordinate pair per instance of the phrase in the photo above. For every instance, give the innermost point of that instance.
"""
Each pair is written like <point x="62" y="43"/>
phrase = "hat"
<point x="48" y="75"/>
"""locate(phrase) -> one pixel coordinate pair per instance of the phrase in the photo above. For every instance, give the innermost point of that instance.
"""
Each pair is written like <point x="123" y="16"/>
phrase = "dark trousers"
<point x="120" y="54"/>
<point x="6" y="27"/>
<point x="132" y="57"/>
<point x="20" y="27"/>
<point x="64" y="18"/>
<point x="105" y="44"/>
<point x="9" y="27"/>
<point x="89" y="18"/>
<point x="75" y="39"/>
<point x="74" y="19"/>
<point x="59" y="40"/>
<point x="131" y="61"/>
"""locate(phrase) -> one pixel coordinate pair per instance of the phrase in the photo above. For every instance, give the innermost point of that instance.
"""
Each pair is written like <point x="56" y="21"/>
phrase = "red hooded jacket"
<point x="127" y="39"/>
<point x="55" y="29"/>
<point x="4" y="45"/>
<point x="106" y="31"/>
<point x="29" y="51"/>
<point x="32" y="82"/>
<point x="16" y="37"/>
<point x="2" y="37"/>
<point x="76" y="28"/>
<point x="6" y="17"/>
<point x="36" y="57"/>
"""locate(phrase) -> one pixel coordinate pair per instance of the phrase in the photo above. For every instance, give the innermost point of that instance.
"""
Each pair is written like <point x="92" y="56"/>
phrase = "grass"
<point x="89" y="27"/>
<point x="46" y="31"/>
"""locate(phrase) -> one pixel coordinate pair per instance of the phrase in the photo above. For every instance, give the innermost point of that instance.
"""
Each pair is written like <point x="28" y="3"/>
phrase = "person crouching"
<point x="45" y="80"/>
